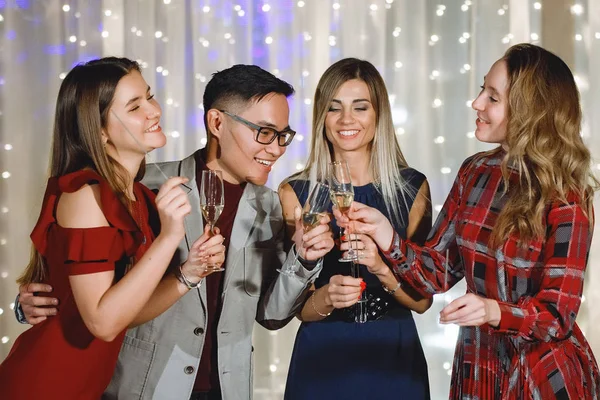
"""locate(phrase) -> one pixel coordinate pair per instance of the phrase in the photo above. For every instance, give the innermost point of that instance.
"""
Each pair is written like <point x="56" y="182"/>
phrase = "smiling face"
<point x="351" y="120"/>
<point x="133" y="125"/>
<point x="492" y="105"/>
<point x="242" y="158"/>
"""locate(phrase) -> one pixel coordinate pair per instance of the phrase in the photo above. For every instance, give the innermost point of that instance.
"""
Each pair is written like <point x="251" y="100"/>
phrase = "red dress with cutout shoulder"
<point x="59" y="358"/>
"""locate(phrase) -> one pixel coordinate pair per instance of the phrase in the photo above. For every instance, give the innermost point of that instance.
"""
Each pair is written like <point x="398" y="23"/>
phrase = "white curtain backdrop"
<point x="432" y="54"/>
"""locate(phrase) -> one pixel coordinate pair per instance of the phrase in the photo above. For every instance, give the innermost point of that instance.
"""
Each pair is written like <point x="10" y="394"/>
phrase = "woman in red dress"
<point x="517" y="226"/>
<point x="93" y="242"/>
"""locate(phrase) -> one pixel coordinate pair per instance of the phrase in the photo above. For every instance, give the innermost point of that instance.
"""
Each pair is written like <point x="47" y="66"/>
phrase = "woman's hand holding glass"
<point x="368" y="252"/>
<point x="368" y="221"/>
<point x="343" y="291"/>
<point x="207" y="250"/>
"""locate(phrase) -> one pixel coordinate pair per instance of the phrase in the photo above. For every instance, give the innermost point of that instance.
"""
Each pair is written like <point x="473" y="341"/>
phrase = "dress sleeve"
<point x="91" y="250"/>
<point x="437" y="265"/>
<point x="551" y="313"/>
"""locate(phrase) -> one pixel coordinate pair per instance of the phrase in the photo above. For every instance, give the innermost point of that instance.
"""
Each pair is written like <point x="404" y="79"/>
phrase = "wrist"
<point x="326" y="299"/>
<point x="494" y="312"/>
<point x="316" y="309"/>
<point x="167" y="240"/>
<point x="386" y="240"/>
<point x="182" y="278"/>
<point x="384" y="273"/>
<point x="188" y="272"/>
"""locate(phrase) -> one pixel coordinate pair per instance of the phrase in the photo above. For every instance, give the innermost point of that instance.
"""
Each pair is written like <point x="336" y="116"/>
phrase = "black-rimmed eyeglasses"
<point x="264" y="134"/>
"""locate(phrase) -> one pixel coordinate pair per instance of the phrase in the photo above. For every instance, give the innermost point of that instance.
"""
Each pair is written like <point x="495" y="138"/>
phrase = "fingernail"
<point x="344" y="238"/>
<point x="363" y="285"/>
<point x="55" y="302"/>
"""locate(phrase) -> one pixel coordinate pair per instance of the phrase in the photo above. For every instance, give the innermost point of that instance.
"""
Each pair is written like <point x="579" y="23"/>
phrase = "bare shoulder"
<point x="81" y="209"/>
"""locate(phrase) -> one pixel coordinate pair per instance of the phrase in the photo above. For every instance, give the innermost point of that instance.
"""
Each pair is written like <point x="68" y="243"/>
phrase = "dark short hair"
<point x="242" y="83"/>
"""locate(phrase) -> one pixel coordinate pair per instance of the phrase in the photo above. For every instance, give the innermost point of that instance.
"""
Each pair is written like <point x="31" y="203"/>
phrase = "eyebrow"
<point x="353" y="101"/>
<point x="133" y="100"/>
<point x="493" y="89"/>
<point x="270" y="125"/>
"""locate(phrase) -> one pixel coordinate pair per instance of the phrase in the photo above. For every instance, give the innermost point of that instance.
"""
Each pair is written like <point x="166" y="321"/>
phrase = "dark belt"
<point x="378" y="304"/>
<point x="212" y="395"/>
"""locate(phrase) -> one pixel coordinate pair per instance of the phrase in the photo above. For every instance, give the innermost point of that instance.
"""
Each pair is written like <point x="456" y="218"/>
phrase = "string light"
<point x="577" y="9"/>
<point x="537" y="5"/>
<point x="66" y="8"/>
<point x="266" y="7"/>
<point x="300" y="4"/>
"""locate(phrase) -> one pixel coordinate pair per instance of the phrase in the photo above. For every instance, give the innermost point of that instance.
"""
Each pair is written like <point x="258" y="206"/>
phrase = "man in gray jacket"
<point x="201" y="346"/>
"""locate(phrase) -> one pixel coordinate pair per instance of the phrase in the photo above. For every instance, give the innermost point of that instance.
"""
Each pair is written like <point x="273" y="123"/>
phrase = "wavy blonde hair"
<point x="544" y="143"/>
<point x="387" y="159"/>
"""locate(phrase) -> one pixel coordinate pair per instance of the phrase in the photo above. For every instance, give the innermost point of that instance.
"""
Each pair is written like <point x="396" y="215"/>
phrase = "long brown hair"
<point x="82" y="107"/>
<point x="544" y="143"/>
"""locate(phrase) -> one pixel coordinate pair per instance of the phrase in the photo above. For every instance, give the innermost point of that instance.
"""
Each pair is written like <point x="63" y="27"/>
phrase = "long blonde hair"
<point x="544" y="143"/>
<point x="387" y="160"/>
<point x="84" y="100"/>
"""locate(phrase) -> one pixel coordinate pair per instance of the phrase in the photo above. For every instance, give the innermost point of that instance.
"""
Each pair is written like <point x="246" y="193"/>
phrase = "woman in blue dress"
<point x="335" y="357"/>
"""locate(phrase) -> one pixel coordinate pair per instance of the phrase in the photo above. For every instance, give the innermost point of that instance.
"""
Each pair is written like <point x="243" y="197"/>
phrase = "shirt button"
<point x="198" y="331"/>
<point x="188" y="370"/>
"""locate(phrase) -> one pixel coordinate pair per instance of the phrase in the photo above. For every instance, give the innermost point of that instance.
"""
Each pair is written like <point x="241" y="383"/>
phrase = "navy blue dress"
<point x="336" y="358"/>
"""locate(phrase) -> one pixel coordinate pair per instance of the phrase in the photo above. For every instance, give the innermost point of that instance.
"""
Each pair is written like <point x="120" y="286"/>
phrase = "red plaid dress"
<point x="538" y="351"/>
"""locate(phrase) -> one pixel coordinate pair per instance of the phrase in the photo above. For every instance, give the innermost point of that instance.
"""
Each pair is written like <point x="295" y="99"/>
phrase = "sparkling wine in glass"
<point x="212" y="202"/>
<point x="342" y="195"/>
<point x="314" y="208"/>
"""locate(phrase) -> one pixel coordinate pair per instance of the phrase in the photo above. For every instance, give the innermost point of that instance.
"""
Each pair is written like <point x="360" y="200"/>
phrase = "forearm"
<point x="167" y="293"/>
<point x="119" y="305"/>
<point x="317" y="306"/>
<point x="412" y="301"/>
<point x="430" y="269"/>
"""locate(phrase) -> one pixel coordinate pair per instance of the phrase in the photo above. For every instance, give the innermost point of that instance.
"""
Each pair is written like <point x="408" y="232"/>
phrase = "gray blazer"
<point x="159" y="359"/>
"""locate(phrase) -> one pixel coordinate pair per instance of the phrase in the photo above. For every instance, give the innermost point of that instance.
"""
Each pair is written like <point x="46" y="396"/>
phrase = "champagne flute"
<point x="212" y="202"/>
<point x="342" y="195"/>
<point x="314" y="208"/>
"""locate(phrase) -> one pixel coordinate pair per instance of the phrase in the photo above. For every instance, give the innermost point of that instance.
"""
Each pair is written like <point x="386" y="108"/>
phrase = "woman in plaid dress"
<point x="518" y="226"/>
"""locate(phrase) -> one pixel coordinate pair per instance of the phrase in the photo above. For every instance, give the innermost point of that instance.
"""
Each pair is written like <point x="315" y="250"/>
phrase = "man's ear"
<point x="214" y="122"/>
